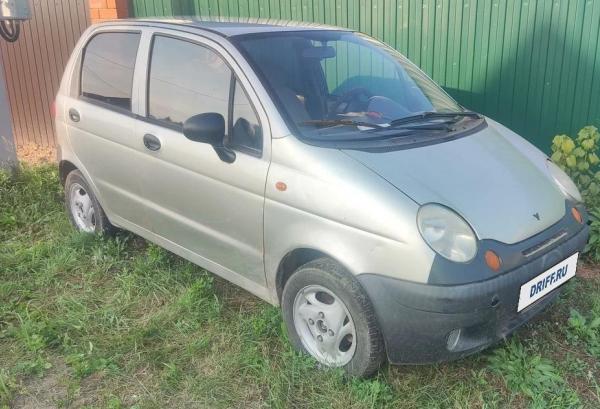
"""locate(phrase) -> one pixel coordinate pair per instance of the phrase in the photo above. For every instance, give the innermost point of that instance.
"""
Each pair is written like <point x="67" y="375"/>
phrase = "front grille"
<point x="545" y="244"/>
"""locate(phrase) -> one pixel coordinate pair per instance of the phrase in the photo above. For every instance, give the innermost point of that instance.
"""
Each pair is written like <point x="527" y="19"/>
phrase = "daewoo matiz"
<point x="324" y="172"/>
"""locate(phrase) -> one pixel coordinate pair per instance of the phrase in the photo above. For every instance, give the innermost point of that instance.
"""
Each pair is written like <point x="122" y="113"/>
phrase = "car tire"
<point x="85" y="213"/>
<point x="323" y="284"/>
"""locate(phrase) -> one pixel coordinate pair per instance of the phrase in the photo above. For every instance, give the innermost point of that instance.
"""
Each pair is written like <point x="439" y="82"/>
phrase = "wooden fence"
<point x="33" y="66"/>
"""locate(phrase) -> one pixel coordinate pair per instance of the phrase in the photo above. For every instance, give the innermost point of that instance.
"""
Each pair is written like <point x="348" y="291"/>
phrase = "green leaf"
<point x="557" y="140"/>
<point x="556" y="156"/>
<point x="584" y="180"/>
<point x="567" y="145"/>
<point x="588" y="144"/>
<point x="585" y="132"/>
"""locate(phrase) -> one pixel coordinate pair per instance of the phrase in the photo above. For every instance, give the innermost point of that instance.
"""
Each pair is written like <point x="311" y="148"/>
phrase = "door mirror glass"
<point x="207" y="128"/>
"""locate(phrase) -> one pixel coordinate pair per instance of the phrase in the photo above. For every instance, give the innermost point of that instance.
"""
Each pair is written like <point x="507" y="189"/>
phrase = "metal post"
<point x="8" y="154"/>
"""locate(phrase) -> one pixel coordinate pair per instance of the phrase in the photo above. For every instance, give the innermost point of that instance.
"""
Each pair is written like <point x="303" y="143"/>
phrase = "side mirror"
<point x="206" y="128"/>
<point x="209" y="128"/>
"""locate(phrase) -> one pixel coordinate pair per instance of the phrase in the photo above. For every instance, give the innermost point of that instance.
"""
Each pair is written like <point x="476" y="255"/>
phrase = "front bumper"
<point x="420" y="322"/>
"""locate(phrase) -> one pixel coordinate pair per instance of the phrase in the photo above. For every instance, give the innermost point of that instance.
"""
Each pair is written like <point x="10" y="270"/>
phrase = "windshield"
<point x="334" y="83"/>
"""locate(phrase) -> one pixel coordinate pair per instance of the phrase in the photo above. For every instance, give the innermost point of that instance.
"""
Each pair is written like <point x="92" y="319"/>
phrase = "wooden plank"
<point x="26" y="75"/>
<point x="42" y="81"/>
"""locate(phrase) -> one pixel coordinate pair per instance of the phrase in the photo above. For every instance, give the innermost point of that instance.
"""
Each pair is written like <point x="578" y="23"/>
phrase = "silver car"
<point x="322" y="171"/>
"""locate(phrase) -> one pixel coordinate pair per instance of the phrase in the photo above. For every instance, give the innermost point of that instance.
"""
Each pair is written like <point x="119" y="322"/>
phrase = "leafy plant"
<point x="593" y="246"/>
<point x="586" y="330"/>
<point x="7" y="386"/>
<point x="527" y="372"/>
<point x="375" y="393"/>
<point x="85" y="364"/>
<point x="579" y="159"/>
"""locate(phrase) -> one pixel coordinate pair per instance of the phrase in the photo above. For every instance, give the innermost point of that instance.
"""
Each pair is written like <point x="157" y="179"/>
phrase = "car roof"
<point x="229" y="27"/>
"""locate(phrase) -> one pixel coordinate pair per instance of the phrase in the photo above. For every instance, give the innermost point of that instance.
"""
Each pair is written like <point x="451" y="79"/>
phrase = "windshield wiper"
<point x="432" y="115"/>
<point x="437" y="126"/>
<point x="334" y="122"/>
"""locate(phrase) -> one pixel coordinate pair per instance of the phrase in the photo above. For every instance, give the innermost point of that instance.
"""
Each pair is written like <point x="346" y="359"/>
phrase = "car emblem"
<point x="536" y="215"/>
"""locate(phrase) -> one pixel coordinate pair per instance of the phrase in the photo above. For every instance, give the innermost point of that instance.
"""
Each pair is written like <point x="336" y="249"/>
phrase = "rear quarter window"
<point x="107" y="68"/>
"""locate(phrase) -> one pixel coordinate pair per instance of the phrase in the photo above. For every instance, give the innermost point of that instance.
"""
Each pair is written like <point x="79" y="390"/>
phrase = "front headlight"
<point x="563" y="181"/>
<point x="447" y="233"/>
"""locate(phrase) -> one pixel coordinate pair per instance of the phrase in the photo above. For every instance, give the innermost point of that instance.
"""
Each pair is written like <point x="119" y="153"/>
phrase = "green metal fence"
<point x="533" y="65"/>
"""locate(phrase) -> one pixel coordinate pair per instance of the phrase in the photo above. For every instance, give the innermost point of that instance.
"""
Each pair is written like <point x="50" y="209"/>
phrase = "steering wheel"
<point x="352" y="101"/>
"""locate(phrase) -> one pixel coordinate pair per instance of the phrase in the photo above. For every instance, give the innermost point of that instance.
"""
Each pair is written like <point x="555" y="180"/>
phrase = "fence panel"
<point x="33" y="66"/>
<point x="533" y="65"/>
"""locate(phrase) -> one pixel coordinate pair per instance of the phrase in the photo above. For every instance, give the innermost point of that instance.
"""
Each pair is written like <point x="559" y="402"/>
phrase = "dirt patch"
<point x="46" y="392"/>
<point x="588" y="271"/>
<point x="36" y="154"/>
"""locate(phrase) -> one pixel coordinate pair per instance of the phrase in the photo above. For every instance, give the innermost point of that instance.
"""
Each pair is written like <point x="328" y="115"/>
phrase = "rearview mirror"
<point x="319" y="53"/>
<point x="209" y="128"/>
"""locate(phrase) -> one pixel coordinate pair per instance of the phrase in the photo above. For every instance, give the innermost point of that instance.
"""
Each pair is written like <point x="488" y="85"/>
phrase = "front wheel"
<point x="329" y="316"/>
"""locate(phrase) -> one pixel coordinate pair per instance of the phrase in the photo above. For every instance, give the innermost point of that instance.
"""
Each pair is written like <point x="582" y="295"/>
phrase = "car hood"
<point x="498" y="186"/>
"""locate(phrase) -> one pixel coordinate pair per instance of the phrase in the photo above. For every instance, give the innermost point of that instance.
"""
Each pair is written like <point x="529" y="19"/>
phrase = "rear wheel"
<point x="329" y="316"/>
<point x="85" y="213"/>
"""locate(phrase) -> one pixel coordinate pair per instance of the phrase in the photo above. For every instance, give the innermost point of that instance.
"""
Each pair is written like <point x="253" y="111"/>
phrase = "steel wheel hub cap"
<point x="324" y="325"/>
<point x="82" y="208"/>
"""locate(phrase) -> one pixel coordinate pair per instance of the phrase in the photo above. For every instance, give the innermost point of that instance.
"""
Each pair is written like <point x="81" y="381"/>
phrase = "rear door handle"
<point x="74" y="115"/>
<point x="151" y="142"/>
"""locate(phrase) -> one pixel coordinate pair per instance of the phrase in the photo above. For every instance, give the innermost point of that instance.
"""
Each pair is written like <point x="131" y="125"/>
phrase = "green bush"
<point x="578" y="158"/>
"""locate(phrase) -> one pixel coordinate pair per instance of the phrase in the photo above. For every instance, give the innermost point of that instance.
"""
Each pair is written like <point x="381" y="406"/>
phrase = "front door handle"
<point x="74" y="115"/>
<point x="151" y="142"/>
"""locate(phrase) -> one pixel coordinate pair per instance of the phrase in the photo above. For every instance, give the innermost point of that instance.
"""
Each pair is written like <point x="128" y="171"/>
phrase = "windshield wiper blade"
<point x="333" y="122"/>
<point x="443" y="126"/>
<point x="433" y="115"/>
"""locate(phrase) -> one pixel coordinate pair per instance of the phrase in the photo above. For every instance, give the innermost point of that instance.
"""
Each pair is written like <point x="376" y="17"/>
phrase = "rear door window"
<point x="107" y="68"/>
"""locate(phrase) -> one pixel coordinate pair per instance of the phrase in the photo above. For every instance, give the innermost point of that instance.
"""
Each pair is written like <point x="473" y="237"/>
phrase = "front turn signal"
<point x="577" y="215"/>
<point x="493" y="260"/>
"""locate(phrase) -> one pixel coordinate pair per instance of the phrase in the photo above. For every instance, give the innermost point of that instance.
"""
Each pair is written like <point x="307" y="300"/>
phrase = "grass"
<point x="122" y="323"/>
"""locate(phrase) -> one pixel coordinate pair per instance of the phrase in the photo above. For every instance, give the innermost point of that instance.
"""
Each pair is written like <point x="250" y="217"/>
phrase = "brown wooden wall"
<point x="34" y="64"/>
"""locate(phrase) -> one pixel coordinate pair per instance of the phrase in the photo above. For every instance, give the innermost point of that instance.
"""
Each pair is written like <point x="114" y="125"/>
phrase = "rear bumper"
<point x="425" y="323"/>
